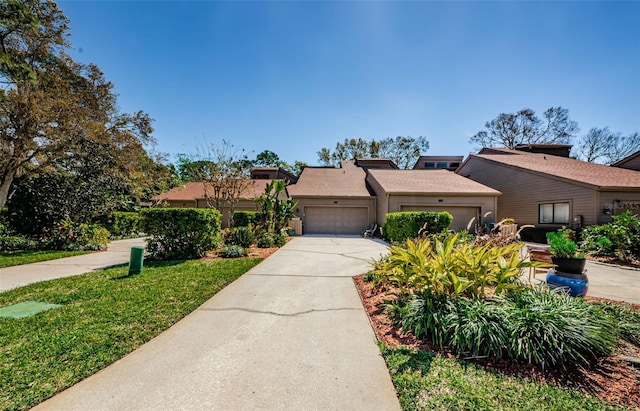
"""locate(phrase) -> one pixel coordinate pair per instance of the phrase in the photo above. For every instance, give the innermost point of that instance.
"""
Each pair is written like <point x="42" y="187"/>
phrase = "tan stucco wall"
<point x="523" y="191"/>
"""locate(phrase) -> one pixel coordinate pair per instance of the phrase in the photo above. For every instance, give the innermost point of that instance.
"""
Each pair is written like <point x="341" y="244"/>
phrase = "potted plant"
<point x="569" y="261"/>
<point x="564" y="252"/>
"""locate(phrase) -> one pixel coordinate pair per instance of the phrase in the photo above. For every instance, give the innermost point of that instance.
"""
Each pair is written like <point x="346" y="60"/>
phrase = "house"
<point x="198" y="195"/>
<point x="450" y="163"/>
<point x="547" y="190"/>
<point x="376" y="163"/>
<point x="273" y="173"/>
<point x="334" y="200"/>
<point x="631" y="162"/>
<point x="469" y="202"/>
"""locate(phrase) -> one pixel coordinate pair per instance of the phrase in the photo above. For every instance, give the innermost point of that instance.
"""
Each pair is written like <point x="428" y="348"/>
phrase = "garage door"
<point x="464" y="218"/>
<point x="335" y="220"/>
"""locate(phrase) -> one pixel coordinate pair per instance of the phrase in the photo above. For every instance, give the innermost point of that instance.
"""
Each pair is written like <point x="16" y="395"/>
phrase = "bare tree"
<point x="600" y="145"/>
<point x="224" y="172"/>
<point x="510" y="130"/>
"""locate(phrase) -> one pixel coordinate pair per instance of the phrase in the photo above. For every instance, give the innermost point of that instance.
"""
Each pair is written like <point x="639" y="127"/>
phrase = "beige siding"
<point x="383" y="200"/>
<point x="632" y="164"/>
<point x="618" y="202"/>
<point x="523" y="192"/>
<point x="453" y="204"/>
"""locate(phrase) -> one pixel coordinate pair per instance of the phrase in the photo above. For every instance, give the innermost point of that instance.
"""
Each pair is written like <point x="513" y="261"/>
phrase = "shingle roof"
<point x="431" y="181"/>
<point x="568" y="168"/>
<point x="193" y="190"/>
<point x="348" y="181"/>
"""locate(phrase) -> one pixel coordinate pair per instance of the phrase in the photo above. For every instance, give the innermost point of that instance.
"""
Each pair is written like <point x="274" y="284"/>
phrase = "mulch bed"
<point x="611" y="379"/>
<point x="615" y="261"/>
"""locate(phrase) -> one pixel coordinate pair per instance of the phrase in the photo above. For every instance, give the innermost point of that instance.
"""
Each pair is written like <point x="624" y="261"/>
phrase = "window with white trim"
<point x="553" y="213"/>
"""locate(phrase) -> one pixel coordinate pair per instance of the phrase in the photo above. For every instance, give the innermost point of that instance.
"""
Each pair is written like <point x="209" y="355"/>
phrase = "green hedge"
<point x="4" y="221"/>
<point x="181" y="233"/>
<point x="536" y="234"/>
<point x="244" y="218"/>
<point x="407" y="224"/>
<point x="123" y="224"/>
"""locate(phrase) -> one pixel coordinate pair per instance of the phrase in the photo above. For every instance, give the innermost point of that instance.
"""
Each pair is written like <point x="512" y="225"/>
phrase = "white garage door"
<point x="335" y="220"/>
<point x="464" y="218"/>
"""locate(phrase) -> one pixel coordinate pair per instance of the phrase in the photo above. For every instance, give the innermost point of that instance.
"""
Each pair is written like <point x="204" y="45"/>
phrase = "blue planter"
<point x="576" y="284"/>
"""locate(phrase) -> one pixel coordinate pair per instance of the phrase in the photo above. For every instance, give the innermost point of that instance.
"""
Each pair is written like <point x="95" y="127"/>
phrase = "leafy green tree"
<point x="276" y="209"/>
<point x="61" y="111"/>
<point x="404" y="151"/>
<point x="524" y="127"/>
<point x="268" y="158"/>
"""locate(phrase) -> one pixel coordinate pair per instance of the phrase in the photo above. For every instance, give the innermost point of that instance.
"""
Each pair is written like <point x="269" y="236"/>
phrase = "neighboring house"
<point x="193" y="195"/>
<point x="553" y="191"/>
<point x="273" y="173"/>
<point x="469" y="202"/>
<point x="334" y="200"/>
<point x="631" y="162"/>
<point x="450" y="163"/>
<point x="376" y="163"/>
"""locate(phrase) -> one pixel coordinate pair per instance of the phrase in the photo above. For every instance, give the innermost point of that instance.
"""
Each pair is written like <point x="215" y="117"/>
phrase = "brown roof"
<point x="567" y="168"/>
<point x="193" y="190"/>
<point x="348" y="181"/>
<point x="431" y="182"/>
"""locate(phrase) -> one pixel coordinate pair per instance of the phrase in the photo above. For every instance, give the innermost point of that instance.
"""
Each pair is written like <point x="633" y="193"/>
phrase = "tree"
<point x="404" y="151"/>
<point x="268" y="158"/>
<point x="600" y="145"/>
<point x="61" y="109"/>
<point x="510" y="130"/>
<point x="223" y="171"/>
<point x="275" y="212"/>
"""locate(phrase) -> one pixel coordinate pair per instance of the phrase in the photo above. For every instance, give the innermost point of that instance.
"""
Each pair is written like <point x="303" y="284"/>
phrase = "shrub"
<point x="242" y="236"/>
<point x="244" y="218"/>
<point x="403" y="225"/>
<point x="4" y="221"/>
<point x="16" y="243"/>
<point x="71" y="236"/>
<point x="123" y="224"/>
<point x="181" y="233"/>
<point x="620" y="238"/>
<point x="265" y="241"/>
<point x="531" y="325"/>
<point x="233" y="251"/>
<point x="279" y="240"/>
<point x="453" y="267"/>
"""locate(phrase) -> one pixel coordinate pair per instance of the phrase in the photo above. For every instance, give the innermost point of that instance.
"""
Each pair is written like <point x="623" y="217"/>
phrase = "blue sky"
<point x="293" y="77"/>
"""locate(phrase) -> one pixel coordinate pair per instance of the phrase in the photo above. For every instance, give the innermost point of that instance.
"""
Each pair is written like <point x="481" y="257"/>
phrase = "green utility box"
<point x="136" y="260"/>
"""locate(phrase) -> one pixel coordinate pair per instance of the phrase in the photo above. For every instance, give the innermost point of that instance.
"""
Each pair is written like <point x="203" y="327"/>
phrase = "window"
<point x="454" y="165"/>
<point x="429" y="164"/>
<point x="441" y="165"/>
<point x="553" y="213"/>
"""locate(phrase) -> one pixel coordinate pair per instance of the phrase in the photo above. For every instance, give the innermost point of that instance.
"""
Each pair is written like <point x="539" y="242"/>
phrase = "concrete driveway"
<point x="291" y="334"/>
<point x="117" y="253"/>
<point x="613" y="282"/>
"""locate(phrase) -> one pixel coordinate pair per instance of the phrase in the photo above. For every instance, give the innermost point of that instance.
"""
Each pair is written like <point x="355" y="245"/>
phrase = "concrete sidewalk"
<point x="117" y="252"/>
<point x="291" y="334"/>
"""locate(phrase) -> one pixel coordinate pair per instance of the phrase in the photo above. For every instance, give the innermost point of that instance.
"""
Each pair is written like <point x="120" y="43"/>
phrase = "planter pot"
<point x="291" y="232"/>
<point x="569" y="265"/>
<point x="577" y="285"/>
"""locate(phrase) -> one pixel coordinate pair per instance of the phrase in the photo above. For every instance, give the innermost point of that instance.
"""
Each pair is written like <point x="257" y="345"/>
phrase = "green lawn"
<point x="11" y="258"/>
<point x="105" y="315"/>
<point x="426" y="381"/>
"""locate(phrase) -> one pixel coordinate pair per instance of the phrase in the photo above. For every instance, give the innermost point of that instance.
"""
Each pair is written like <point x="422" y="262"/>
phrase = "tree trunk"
<point x="5" y="186"/>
